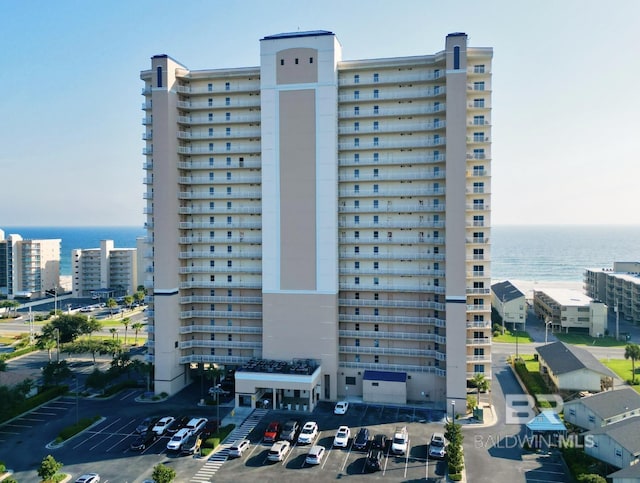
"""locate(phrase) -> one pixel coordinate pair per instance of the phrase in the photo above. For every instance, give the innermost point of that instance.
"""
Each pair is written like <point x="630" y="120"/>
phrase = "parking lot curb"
<point x="54" y="445"/>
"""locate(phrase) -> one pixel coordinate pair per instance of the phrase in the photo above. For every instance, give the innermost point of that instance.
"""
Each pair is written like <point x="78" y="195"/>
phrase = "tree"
<point x="68" y="327"/>
<point x="10" y="304"/>
<point x="46" y="344"/>
<point x="113" y="331"/>
<point x="55" y="372"/>
<point x="126" y="321"/>
<point x="49" y="468"/>
<point x="137" y="327"/>
<point x="481" y="384"/>
<point x="128" y="301"/>
<point x="632" y="351"/>
<point x="139" y="295"/>
<point x="163" y="474"/>
<point x="3" y="363"/>
<point x="111" y="304"/>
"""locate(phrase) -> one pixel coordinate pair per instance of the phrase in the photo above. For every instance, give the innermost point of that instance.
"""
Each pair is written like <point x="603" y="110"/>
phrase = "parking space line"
<point x="96" y="433"/>
<point x="406" y="458"/>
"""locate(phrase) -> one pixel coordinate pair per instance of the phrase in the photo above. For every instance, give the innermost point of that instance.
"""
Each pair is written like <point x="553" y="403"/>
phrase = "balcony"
<point x="208" y="255"/>
<point x="419" y="142"/>
<point x="192" y="225"/>
<point x="234" y="210"/>
<point x="219" y="329"/>
<point x="206" y="195"/>
<point x="369" y="334"/>
<point x="385" y="192"/>
<point x="218" y="118"/>
<point x="396" y="175"/>
<point x="395" y="351"/>
<point x="479" y="341"/>
<point x="414" y="304"/>
<point x="390" y="159"/>
<point x="391" y="110"/>
<point x="406" y="287"/>
<point x="390" y="127"/>
<point x="220" y="148"/>
<point x="479" y="358"/>
<point x="238" y="314"/>
<point x="391" y="94"/>
<point x="220" y="102"/>
<point x="238" y="179"/>
<point x="374" y="366"/>
<point x="348" y="80"/>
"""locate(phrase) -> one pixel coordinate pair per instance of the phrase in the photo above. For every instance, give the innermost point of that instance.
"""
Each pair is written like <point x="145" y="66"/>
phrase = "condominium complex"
<point x="28" y="268"/>
<point x="564" y="309"/>
<point x="617" y="287"/>
<point x="106" y="271"/>
<point x="321" y="225"/>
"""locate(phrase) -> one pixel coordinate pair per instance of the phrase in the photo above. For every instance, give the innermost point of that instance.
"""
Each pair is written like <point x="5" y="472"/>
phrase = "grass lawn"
<point x="622" y="367"/>
<point x="510" y="336"/>
<point x="586" y="339"/>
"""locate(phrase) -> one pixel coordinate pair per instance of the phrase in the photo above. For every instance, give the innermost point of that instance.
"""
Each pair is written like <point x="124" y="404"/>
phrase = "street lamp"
<point x="453" y="411"/>
<point x="217" y="390"/>
<point x="77" y="391"/>
<point x="546" y="329"/>
<point x="57" y="331"/>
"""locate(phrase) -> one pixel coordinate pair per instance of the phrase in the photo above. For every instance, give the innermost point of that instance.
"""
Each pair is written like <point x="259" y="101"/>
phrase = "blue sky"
<point x="565" y="109"/>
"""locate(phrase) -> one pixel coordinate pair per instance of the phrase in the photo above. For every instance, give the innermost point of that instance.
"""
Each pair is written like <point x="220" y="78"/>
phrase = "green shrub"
<point x="81" y="425"/>
<point x="455" y="476"/>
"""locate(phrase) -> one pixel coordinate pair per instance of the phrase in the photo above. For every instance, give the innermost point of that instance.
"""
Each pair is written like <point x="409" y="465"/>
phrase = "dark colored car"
<point x="374" y="460"/>
<point x="272" y="433"/>
<point x="178" y="424"/>
<point x="379" y="442"/>
<point x="145" y="425"/>
<point x="290" y="430"/>
<point x="192" y="444"/>
<point x="143" y="441"/>
<point x="209" y="428"/>
<point x="361" y="441"/>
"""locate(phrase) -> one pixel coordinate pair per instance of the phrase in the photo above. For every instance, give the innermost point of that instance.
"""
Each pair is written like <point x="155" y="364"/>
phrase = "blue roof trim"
<point x="290" y="35"/>
<point x="385" y="376"/>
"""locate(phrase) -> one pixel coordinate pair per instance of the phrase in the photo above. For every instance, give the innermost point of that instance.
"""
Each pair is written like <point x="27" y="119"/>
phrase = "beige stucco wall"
<point x="384" y="392"/>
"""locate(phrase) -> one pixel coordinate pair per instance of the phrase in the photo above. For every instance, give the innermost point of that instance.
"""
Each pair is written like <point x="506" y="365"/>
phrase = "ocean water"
<point x="535" y="253"/>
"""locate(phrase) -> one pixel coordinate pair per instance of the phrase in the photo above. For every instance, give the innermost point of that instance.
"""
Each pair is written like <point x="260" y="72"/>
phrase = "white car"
<point x="341" y="407"/>
<point x="437" y="446"/>
<point x="279" y="450"/>
<point x="400" y="441"/>
<point x="89" y="478"/>
<point x="162" y="424"/>
<point x="314" y="457"/>
<point x="238" y="447"/>
<point x="196" y="424"/>
<point x="308" y="433"/>
<point x="341" y="438"/>
<point x="178" y="439"/>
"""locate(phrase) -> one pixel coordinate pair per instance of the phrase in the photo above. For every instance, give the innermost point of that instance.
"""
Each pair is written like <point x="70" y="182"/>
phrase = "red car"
<point x="272" y="432"/>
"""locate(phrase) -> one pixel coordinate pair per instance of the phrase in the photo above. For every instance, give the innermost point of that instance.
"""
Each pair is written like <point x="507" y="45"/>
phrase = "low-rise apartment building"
<point x="565" y="309"/>
<point x="617" y="287"/>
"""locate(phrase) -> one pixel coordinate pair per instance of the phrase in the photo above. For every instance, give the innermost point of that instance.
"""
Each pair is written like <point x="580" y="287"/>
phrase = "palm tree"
<point x="632" y="351"/>
<point x="137" y="327"/>
<point x="481" y="384"/>
<point x="113" y="331"/>
<point x="111" y="304"/>
<point x="126" y="321"/>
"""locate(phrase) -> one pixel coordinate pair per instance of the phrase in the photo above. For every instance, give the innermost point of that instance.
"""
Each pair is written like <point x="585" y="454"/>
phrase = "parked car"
<point x="361" y="440"/>
<point x="192" y="444"/>
<point x="379" y="442"/>
<point x="308" y="433"/>
<point x="290" y="430"/>
<point x="437" y="446"/>
<point x="315" y="454"/>
<point x="341" y="439"/>
<point x="341" y="407"/>
<point x="162" y="424"/>
<point x="279" y="450"/>
<point x="89" y="478"/>
<point x="196" y="424"/>
<point x="400" y="440"/>
<point x="374" y="460"/>
<point x="239" y="447"/>
<point x="209" y="428"/>
<point x="179" y="423"/>
<point x="146" y="425"/>
<point x="272" y="433"/>
<point x="178" y="439"/>
<point x="143" y="441"/>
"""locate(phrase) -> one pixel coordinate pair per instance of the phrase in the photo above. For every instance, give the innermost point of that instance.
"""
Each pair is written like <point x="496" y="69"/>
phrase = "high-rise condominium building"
<point x="321" y="225"/>
<point x="28" y="268"/>
<point x="106" y="271"/>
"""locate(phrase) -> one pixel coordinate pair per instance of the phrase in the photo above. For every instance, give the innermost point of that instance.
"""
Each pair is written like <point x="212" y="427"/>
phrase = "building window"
<point x="356" y="249"/>
<point x="356" y="188"/>
<point x="281" y="61"/>
<point x="376" y="109"/>
<point x="376" y="342"/>
<point x="375" y="188"/>
<point x="210" y="102"/>
<point x="356" y="94"/>
<point x="228" y="146"/>
<point x="356" y="142"/>
<point x="478" y="103"/>
<point x="376" y="93"/>
<point x="357" y="342"/>
<point x="350" y="381"/>
<point x="375" y="141"/>
<point x="376" y="359"/>
<point x="376" y="77"/>
<point x="357" y="358"/>
<point x="376" y="126"/>
<point x="376" y="157"/>
<point x="376" y="250"/>
<point x="456" y="57"/>
<point x="229" y="278"/>
<point x="227" y="101"/>
<point x="228" y="161"/>
<point x="375" y="204"/>
<point x="356" y="79"/>
<point x="356" y="280"/>
<point x="356" y="311"/>
<point x="210" y="117"/>
<point x="210" y="131"/>
<point x="357" y="235"/>
<point x="356" y="219"/>
<point x="210" y="87"/>
<point x="478" y="69"/>
<point x="375" y="235"/>
<point x="229" y="248"/>
<point x="227" y="131"/>
<point x="159" y="76"/>
<point x="375" y="267"/>
<point x="478" y="137"/>
<point x="210" y="161"/>
<point x="375" y="219"/>
<point x="356" y="296"/>
<point x="356" y="111"/>
<point x="478" y="86"/>
<point x="296" y="61"/>
<point x="356" y="126"/>
<point x="227" y="86"/>
<point x="227" y="116"/>
<point x="311" y="60"/>
<point x="210" y="146"/>
<point x="356" y="204"/>
<point x="376" y="281"/>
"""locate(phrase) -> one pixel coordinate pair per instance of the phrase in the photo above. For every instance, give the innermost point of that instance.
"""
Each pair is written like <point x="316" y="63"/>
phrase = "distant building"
<point x="104" y="270"/>
<point x="604" y="408"/>
<point x="568" y="368"/>
<point x="618" y="288"/>
<point x="510" y="303"/>
<point x="569" y="309"/>
<point x="28" y="268"/>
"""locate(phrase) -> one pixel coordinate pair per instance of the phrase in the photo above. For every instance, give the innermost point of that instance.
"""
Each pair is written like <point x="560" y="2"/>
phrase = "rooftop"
<point x="563" y="358"/>
<point x="567" y="297"/>
<point x="290" y="35"/>
<point x="624" y="432"/>
<point x="505" y="291"/>
<point x="296" y="366"/>
<point x="608" y="404"/>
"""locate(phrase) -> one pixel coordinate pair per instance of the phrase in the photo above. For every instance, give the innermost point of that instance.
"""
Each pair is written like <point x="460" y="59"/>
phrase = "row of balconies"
<point x="188" y="344"/>
<point x="392" y="175"/>
<point x="226" y="255"/>
<point x="256" y="269"/>
<point x="386" y="77"/>
<point x="391" y="127"/>
<point x="391" y="159"/>
<point x="395" y="222"/>
<point x="394" y="255"/>
<point x="393" y="319"/>
<point x="236" y="133"/>
<point x="244" y="224"/>
<point x="220" y="179"/>
<point x="349" y="239"/>
<point x="414" y="304"/>
<point x="243" y="86"/>
<point x="218" y="329"/>
<point x="219" y="148"/>
<point x="220" y="102"/>
<point x="206" y="358"/>
<point x="219" y="299"/>
<point x="417" y="286"/>
<point x="221" y="209"/>
<point x="370" y="334"/>
<point x="219" y="118"/>
<point x="390" y="94"/>
<point x="221" y="194"/>
<point x="190" y="240"/>
<point x="396" y="351"/>
<point x="386" y="143"/>
<point x="388" y="206"/>
<point x="414" y="270"/>
<point x="374" y="366"/>
<point x="234" y="314"/>
<point x="251" y="162"/>
<point x="395" y="110"/>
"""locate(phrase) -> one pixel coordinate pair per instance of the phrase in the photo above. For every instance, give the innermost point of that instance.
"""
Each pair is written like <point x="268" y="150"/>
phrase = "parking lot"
<point x="338" y="463"/>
